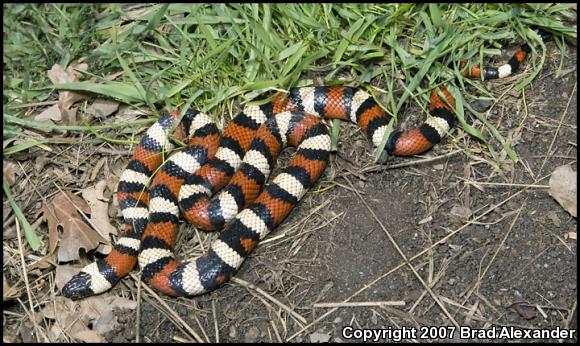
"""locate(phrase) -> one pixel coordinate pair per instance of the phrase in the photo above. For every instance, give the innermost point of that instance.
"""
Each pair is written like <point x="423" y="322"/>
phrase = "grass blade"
<point x="31" y="237"/>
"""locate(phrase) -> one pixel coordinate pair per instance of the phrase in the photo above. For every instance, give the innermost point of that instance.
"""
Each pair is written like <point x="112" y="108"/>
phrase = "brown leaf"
<point x="103" y="107"/>
<point x="50" y="115"/>
<point x="105" y="323"/>
<point x="95" y="312"/>
<point x="46" y="262"/>
<point x="66" y="99"/>
<point x="99" y="309"/>
<point x="40" y="162"/>
<point x="9" y="292"/>
<point x="563" y="188"/>
<point x="66" y="225"/>
<point x="9" y="172"/>
<point x="97" y="168"/>
<point x="99" y="208"/>
<point x="525" y="310"/>
<point x="319" y="337"/>
<point x="69" y="116"/>
<point x="64" y="312"/>
<point x="88" y="335"/>
<point x="461" y="213"/>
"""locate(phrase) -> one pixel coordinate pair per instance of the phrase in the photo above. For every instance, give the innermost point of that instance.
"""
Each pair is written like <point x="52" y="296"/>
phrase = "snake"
<point x="218" y="181"/>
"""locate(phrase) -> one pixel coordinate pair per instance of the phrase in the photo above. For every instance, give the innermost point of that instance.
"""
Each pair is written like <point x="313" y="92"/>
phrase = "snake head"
<point x="78" y="287"/>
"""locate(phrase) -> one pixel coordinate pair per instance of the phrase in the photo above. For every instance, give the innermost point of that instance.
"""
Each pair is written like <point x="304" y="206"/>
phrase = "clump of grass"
<point x="212" y="56"/>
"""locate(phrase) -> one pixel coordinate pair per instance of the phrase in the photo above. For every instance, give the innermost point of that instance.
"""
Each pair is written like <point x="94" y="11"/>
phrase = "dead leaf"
<point x="51" y="114"/>
<point x="66" y="99"/>
<point x="99" y="311"/>
<point x="69" y="116"/>
<point x="9" y="292"/>
<point x="27" y="331"/>
<point x="59" y="75"/>
<point x="66" y="226"/>
<point x="99" y="208"/>
<point x="73" y="326"/>
<point x="460" y="212"/>
<point x="88" y="335"/>
<point x="9" y="172"/>
<point x="46" y="262"/>
<point x="103" y="107"/>
<point x="105" y="323"/>
<point x="570" y="235"/>
<point x="87" y="319"/>
<point x="563" y="188"/>
<point x="319" y="337"/>
<point x="97" y="168"/>
<point x="524" y="308"/>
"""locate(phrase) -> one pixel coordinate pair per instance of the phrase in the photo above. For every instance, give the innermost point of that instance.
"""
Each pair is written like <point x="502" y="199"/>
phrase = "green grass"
<point x="214" y="56"/>
<point x="29" y="234"/>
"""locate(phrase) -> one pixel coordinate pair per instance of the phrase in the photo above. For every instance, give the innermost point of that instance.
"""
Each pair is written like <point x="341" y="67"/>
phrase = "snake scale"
<point x="238" y="163"/>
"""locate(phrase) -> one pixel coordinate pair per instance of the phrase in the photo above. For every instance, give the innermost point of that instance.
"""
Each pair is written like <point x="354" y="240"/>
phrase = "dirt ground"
<point x="454" y="238"/>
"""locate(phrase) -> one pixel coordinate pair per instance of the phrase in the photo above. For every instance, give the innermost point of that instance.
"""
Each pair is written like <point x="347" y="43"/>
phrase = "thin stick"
<point x="357" y="304"/>
<point x="138" y="319"/>
<point x="410" y="163"/>
<point x="505" y="184"/>
<point x="276" y="333"/>
<point x="215" y="322"/>
<point x="270" y="298"/>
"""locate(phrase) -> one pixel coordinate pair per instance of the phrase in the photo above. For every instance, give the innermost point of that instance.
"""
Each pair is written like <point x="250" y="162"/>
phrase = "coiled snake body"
<point x="243" y="156"/>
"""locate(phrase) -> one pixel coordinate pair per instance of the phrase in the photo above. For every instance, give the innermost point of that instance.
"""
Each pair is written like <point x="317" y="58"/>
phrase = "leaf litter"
<point x="99" y="205"/>
<point x="563" y="188"/>
<point x="67" y="227"/>
<point x="9" y="292"/>
<point x="101" y="108"/>
<point x="9" y="172"/>
<point x="77" y="318"/>
<point x="62" y="112"/>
